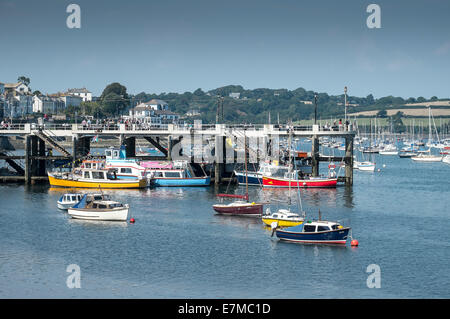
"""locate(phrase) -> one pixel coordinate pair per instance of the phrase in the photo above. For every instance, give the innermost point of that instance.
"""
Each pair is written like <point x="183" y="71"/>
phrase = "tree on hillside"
<point x="24" y="80"/>
<point x="382" y="114"/>
<point x="114" y="99"/>
<point x="397" y="123"/>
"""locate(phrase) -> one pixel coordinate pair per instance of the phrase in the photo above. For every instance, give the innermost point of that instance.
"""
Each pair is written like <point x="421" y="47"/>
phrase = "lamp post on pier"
<point x="315" y="108"/>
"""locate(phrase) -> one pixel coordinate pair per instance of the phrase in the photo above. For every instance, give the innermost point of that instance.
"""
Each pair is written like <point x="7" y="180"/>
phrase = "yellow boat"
<point x="283" y="218"/>
<point x="93" y="178"/>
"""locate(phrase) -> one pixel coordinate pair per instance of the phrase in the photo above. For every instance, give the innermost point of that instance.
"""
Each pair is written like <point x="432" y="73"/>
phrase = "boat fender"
<point x="253" y="203"/>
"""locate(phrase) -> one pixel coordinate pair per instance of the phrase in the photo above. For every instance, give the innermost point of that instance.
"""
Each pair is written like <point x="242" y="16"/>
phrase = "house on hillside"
<point x="16" y="88"/>
<point x="155" y="104"/>
<point x="85" y="94"/>
<point x="154" y="113"/>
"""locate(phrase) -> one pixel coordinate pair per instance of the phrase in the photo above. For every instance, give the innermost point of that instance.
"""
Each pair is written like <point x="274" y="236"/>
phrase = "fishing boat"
<point x="177" y="173"/>
<point x="255" y="178"/>
<point x="283" y="217"/>
<point x="93" y="178"/>
<point x="314" y="232"/>
<point x="296" y="181"/>
<point x="104" y="209"/>
<point x="116" y="158"/>
<point x="68" y="200"/>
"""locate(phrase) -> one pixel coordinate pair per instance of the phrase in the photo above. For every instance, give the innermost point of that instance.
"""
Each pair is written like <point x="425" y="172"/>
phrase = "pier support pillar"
<point x="130" y="146"/>
<point x="315" y="156"/>
<point x="41" y="164"/>
<point x="169" y="147"/>
<point x="349" y="161"/>
<point x="27" y="174"/>
<point x="74" y="150"/>
<point x="219" y="158"/>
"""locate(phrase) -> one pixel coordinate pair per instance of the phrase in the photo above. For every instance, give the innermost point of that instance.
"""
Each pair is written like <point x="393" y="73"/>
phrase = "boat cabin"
<point x="320" y="226"/>
<point x="116" y="153"/>
<point x="93" y="164"/>
<point x="97" y="175"/>
<point x="173" y="173"/>
<point x="70" y="198"/>
<point x="104" y="204"/>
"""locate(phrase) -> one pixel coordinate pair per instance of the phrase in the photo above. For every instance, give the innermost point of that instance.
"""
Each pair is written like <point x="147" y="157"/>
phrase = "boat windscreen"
<point x="81" y="203"/>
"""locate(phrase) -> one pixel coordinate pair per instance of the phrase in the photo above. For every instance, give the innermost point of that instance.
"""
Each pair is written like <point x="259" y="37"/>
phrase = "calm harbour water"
<point x="178" y="247"/>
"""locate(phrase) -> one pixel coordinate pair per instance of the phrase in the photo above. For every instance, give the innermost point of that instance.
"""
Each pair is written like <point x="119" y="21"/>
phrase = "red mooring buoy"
<point x="132" y="220"/>
<point x="354" y="242"/>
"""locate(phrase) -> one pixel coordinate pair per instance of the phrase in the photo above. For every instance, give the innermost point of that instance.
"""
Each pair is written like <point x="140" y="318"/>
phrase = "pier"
<point x="38" y="140"/>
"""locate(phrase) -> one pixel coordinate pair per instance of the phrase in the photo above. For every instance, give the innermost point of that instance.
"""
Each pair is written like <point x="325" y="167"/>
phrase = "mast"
<point x="290" y="164"/>
<point x="245" y="164"/>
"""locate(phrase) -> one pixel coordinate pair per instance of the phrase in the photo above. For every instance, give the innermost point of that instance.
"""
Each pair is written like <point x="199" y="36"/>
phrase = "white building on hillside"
<point x="153" y="113"/>
<point x="47" y="104"/>
<point x="155" y="104"/>
<point x="16" y="88"/>
<point x="85" y="94"/>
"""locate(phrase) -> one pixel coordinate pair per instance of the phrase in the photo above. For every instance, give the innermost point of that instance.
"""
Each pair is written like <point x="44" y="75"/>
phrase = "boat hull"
<point x="103" y="215"/>
<point x="59" y="182"/>
<point x="281" y="182"/>
<point x="65" y="206"/>
<point x="327" y="237"/>
<point x="281" y="222"/>
<point x="254" y="179"/>
<point x="177" y="182"/>
<point x="427" y="159"/>
<point x="242" y="210"/>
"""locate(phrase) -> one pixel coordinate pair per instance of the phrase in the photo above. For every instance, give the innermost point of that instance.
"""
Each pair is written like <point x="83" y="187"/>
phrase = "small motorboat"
<point x="283" y="218"/>
<point x="68" y="200"/>
<point x="314" y="232"/>
<point x="365" y="166"/>
<point x="99" y="207"/>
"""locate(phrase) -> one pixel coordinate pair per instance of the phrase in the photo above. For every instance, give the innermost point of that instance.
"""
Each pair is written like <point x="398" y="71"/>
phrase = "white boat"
<point x="389" y="149"/>
<point x="283" y="218"/>
<point x="446" y="159"/>
<point x="68" y="200"/>
<point x="422" y="157"/>
<point x="364" y="166"/>
<point x="103" y="209"/>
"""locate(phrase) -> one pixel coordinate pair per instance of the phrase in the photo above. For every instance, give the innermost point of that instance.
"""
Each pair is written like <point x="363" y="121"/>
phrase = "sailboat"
<point x="427" y="156"/>
<point x="242" y="206"/>
<point x="284" y="217"/>
<point x="366" y="165"/>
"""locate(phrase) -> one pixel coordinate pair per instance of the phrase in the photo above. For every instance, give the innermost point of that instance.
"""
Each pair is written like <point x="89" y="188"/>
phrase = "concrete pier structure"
<point x="38" y="139"/>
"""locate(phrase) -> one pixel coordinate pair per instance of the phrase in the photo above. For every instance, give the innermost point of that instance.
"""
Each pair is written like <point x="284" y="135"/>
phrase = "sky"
<point x="180" y="45"/>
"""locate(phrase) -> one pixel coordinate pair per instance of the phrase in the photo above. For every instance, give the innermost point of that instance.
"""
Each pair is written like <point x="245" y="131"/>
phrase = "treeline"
<point x="254" y="106"/>
<point x="251" y="106"/>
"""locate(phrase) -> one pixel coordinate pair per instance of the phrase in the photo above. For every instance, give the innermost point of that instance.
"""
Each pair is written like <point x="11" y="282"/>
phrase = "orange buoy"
<point x="132" y="220"/>
<point x="354" y="242"/>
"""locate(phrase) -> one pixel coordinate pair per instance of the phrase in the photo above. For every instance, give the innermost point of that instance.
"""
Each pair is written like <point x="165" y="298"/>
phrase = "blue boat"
<point x="254" y="178"/>
<point x="177" y="177"/>
<point x="314" y="232"/>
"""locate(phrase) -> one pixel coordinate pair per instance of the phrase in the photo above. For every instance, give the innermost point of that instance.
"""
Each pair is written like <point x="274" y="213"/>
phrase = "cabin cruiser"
<point x="68" y="200"/>
<point x="99" y="207"/>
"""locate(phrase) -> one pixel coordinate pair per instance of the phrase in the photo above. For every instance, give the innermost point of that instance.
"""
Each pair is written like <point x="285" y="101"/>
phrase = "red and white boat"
<point x="293" y="180"/>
